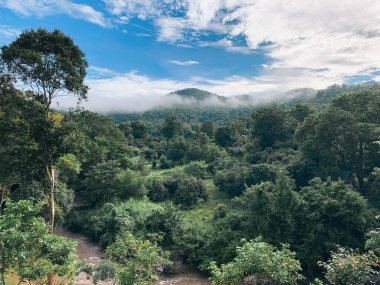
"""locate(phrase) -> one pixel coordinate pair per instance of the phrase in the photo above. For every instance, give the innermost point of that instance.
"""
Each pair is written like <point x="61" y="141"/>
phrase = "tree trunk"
<point x="4" y="190"/>
<point x="2" y="277"/>
<point x="51" y="203"/>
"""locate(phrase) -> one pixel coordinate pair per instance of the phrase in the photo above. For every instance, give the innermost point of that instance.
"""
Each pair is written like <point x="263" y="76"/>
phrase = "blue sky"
<point x="139" y="50"/>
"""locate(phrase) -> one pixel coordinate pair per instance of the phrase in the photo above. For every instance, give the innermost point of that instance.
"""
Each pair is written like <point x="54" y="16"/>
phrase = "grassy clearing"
<point x="162" y="172"/>
<point x="203" y="211"/>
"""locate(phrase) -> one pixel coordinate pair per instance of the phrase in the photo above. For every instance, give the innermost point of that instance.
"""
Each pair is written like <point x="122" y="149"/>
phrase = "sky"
<point x="140" y="50"/>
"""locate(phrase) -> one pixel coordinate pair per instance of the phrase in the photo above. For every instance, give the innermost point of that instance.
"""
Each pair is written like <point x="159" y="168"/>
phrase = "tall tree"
<point x="50" y="65"/>
<point x="343" y="137"/>
<point x="171" y="127"/>
<point x="269" y="125"/>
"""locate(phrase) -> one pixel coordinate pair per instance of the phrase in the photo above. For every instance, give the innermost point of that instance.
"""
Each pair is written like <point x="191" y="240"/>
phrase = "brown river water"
<point x="91" y="253"/>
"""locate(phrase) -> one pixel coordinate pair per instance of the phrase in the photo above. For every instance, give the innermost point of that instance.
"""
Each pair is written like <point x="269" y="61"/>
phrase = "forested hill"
<point x="197" y="94"/>
<point x="203" y="105"/>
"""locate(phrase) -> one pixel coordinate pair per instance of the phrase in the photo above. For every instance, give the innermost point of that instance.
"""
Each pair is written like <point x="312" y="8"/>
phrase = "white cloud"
<point x="184" y="63"/>
<point x="127" y="92"/>
<point x="100" y="72"/>
<point x="43" y="8"/>
<point x="311" y="43"/>
<point x="134" y="92"/>
<point x="227" y="45"/>
<point x="8" y="32"/>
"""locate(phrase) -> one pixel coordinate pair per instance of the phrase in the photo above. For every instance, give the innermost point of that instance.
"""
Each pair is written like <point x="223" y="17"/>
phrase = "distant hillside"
<point x="194" y="93"/>
<point x="192" y="103"/>
<point x="323" y="97"/>
<point x="202" y="96"/>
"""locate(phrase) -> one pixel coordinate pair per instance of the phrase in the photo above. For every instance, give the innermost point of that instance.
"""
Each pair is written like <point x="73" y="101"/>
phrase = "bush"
<point x="231" y="181"/>
<point x="196" y="169"/>
<point x="185" y="190"/>
<point x="220" y="211"/>
<point x="263" y="261"/>
<point x="157" y="192"/>
<point x="259" y="173"/>
<point x="105" y="269"/>
<point x="181" y="189"/>
<point x="138" y="259"/>
<point x="349" y="267"/>
<point x="165" y="163"/>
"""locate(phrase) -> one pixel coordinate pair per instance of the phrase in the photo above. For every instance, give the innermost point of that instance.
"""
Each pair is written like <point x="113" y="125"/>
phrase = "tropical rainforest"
<point x="279" y="193"/>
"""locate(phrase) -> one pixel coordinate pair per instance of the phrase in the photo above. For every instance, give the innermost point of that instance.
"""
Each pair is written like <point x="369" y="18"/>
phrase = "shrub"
<point x="262" y="260"/>
<point x="347" y="266"/>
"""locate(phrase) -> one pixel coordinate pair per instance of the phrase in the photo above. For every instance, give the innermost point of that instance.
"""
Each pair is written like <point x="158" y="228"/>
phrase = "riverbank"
<point x="91" y="253"/>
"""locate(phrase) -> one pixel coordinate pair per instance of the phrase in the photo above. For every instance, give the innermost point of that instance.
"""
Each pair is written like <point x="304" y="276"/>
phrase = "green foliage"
<point x="263" y="261"/>
<point x="143" y="219"/>
<point x="300" y="112"/>
<point x="223" y="137"/>
<point x="196" y="169"/>
<point x="106" y="181"/>
<point x="64" y="197"/>
<point x="216" y="242"/>
<point x="208" y="127"/>
<point x="302" y="170"/>
<point x="272" y="210"/>
<point x="177" y="149"/>
<point x="105" y="269"/>
<point x="195" y="93"/>
<point x="269" y="125"/>
<point x="139" y="129"/>
<point x="21" y="160"/>
<point x="213" y="153"/>
<point x="49" y="61"/>
<point x="181" y="189"/>
<point x="232" y="180"/>
<point x="343" y="136"/>
<point x="334" y="214"/>
<point x="259" y="173"/>
<point x="166" y="223"/>
<point x="68" y="167"/>
<point x="28" y="249"/>
<point x="349" y="267"/>
<point x="374" y="188"/>
<point x="138" y="260"/>
<point x="373" y="241"/>
<point x="166" y="158"/>
<point x="130" y="184"/>
<point x="157" y="192"/>
<point x="101" y="184"/>
<point x="171" y="128"/>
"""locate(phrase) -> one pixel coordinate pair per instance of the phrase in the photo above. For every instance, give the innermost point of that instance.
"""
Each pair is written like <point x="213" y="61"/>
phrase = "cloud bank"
<point x="307" y="43"/>
<point x="43" y="8"/>
<point x="312" y="43"/>
<point x="132" y="92"/>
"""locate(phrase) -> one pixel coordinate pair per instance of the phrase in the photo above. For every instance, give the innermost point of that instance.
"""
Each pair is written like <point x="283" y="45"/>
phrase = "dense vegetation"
<point x="281" y="194"/>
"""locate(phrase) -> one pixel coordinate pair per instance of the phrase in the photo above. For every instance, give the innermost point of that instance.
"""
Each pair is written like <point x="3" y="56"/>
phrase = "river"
<point x="90" y="252"/>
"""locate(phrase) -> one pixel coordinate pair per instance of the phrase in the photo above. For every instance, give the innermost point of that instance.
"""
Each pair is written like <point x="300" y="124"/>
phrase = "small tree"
<point x="138" y="260"/>
<point x="349" y="267"/>
<point x="263" y="261"/>
<point x="171" y="127"/>
<point x="28" y="249"/>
